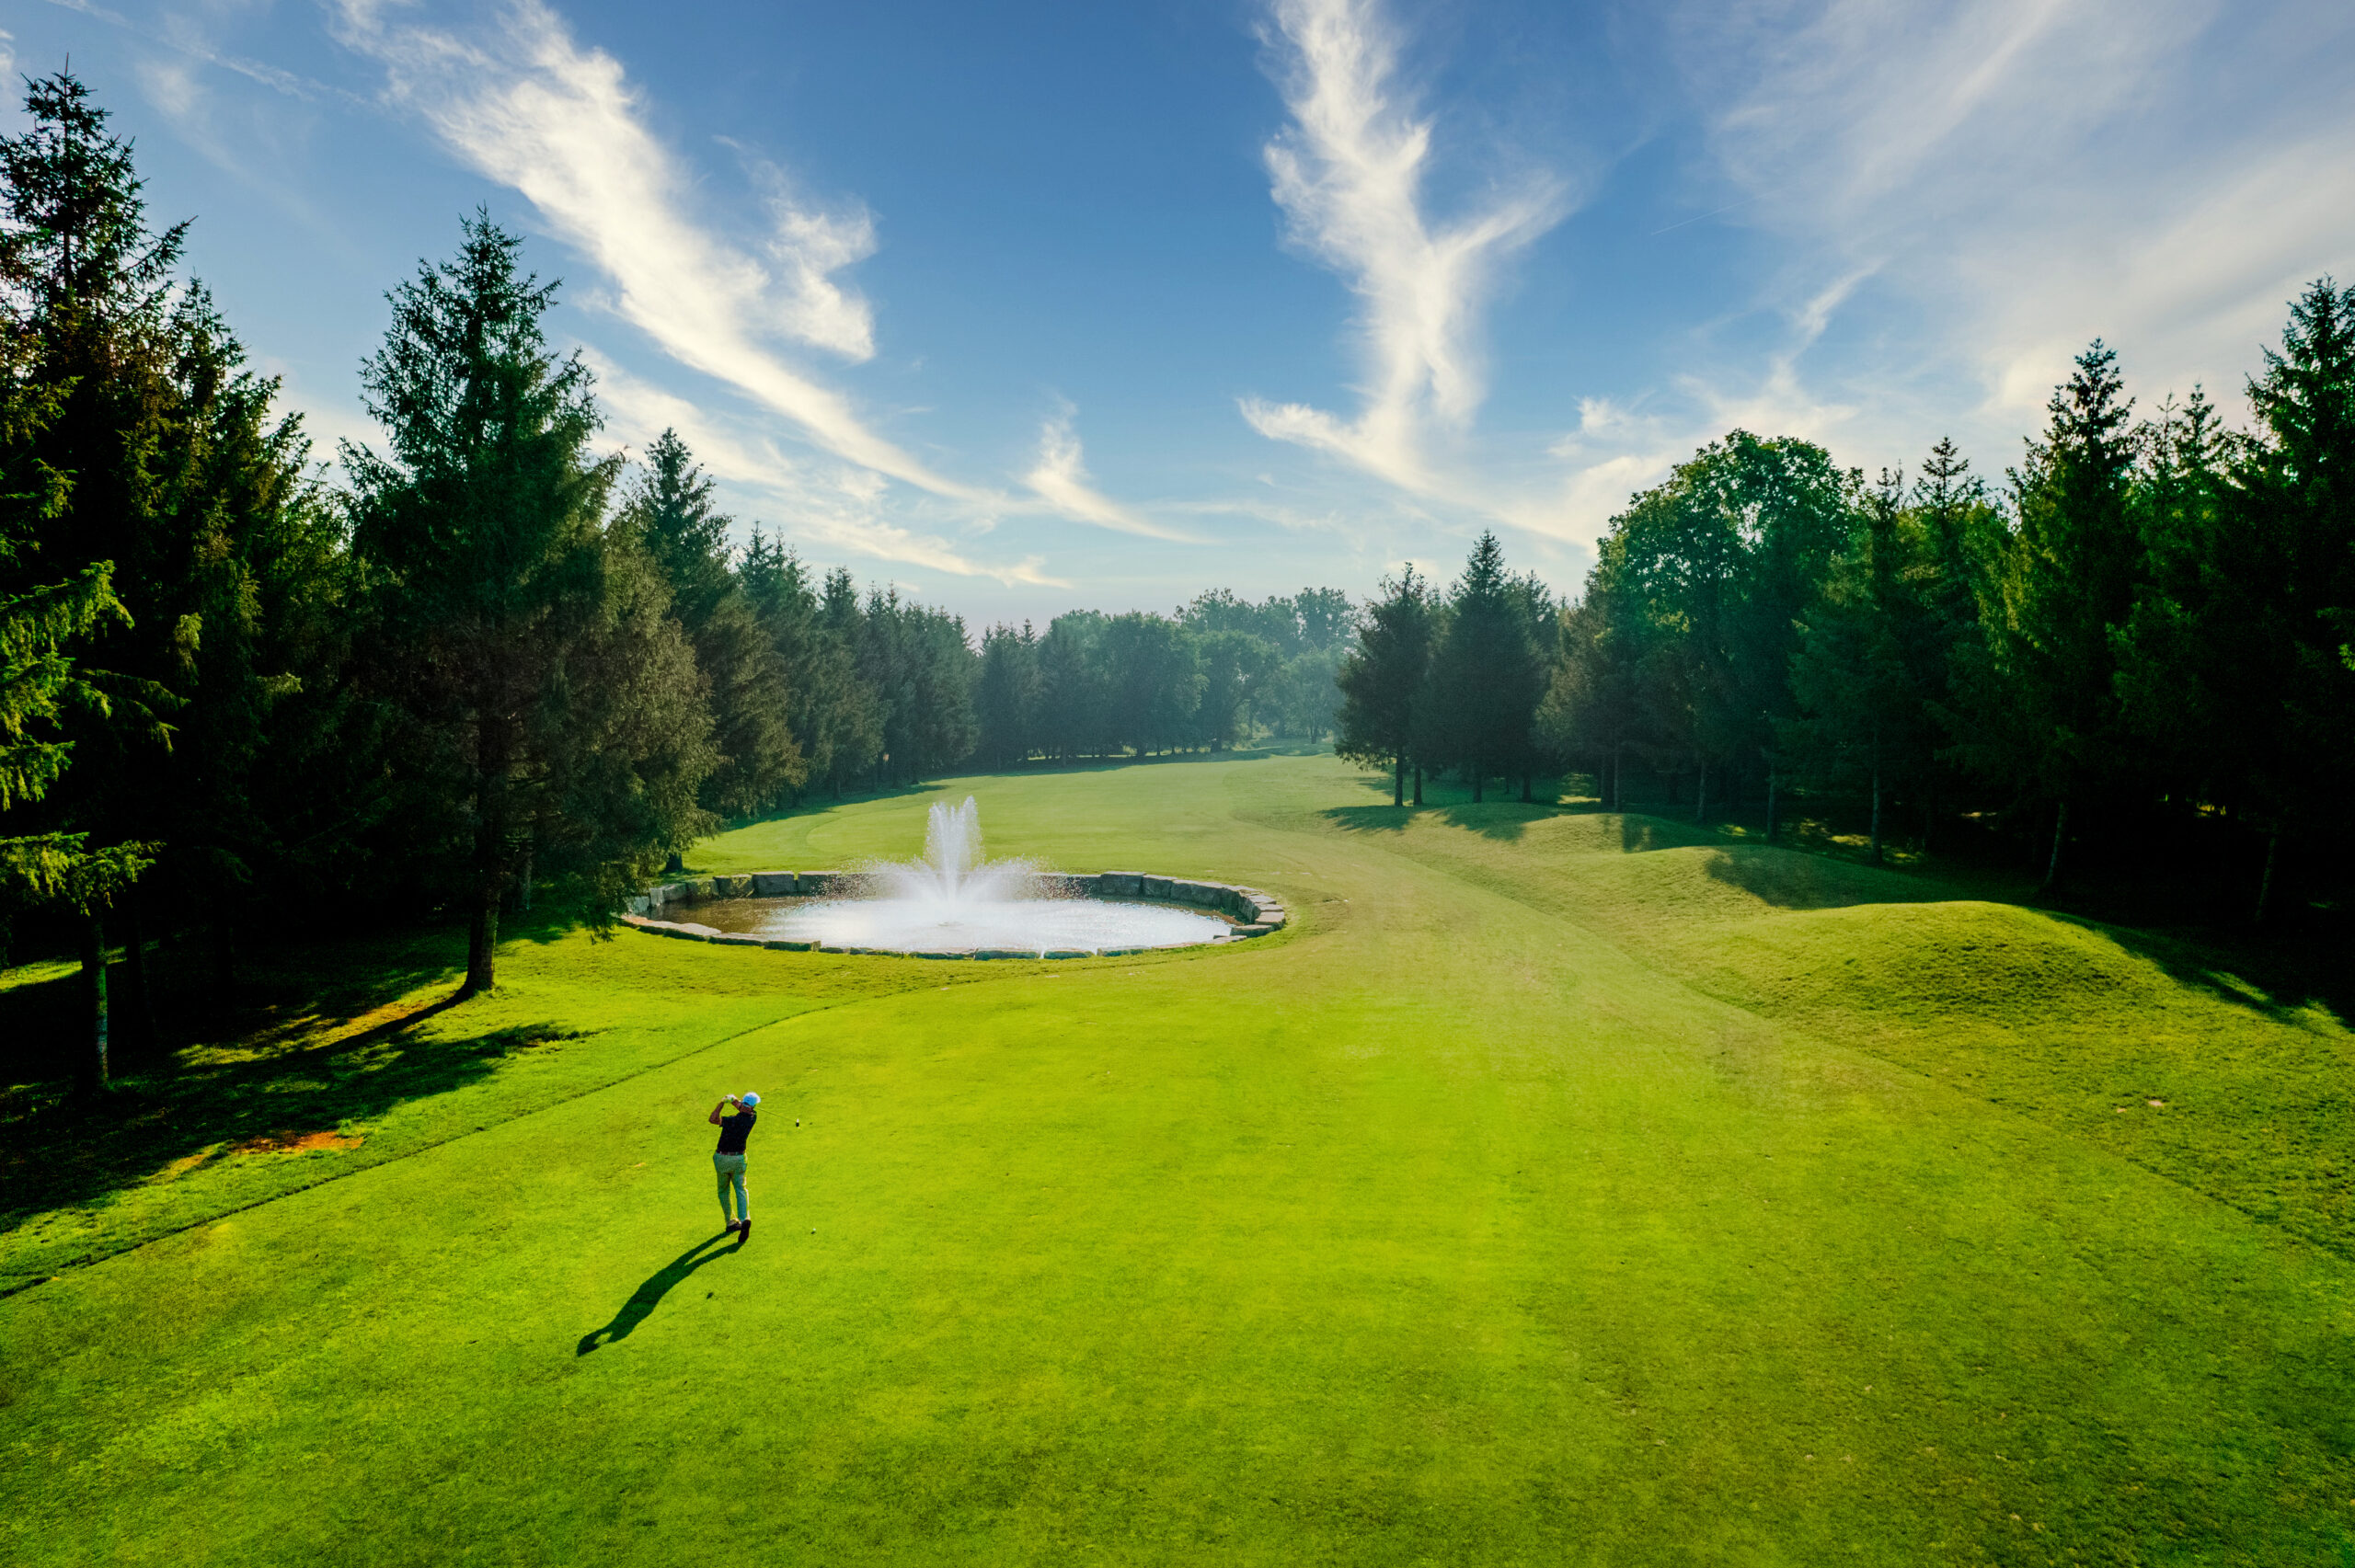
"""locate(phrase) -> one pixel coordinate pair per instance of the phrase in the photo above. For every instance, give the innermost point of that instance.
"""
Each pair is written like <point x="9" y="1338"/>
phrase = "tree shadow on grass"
<point x="649" y="1296"/>
<point x="60" y="1150"/>
<point x="1798" y="880"/>
<point x="2278" y="974"/>
<point x="1508" y="821"/>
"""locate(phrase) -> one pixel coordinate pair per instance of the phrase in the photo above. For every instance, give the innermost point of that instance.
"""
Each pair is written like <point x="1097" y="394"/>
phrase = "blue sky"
<point x="1022" y="307"/>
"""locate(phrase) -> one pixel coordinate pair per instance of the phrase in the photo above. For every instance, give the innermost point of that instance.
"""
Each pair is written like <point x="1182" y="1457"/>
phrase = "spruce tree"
<point x="747" y="683"/>
<point x="1481" y="693"/>
<point x="1382" y="679"/>
<point x="110" y="362"/>
<point x="831" y="715"/>
<point x="485" y="520"/>
<point x="2049" y="718"/>
<point x="1006" y="694"/>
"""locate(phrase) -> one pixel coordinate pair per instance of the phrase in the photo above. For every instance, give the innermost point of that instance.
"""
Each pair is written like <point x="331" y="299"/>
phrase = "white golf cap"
<point x="747" y="1099"/>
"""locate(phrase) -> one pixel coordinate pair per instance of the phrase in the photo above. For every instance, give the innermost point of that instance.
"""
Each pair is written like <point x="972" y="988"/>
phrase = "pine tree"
<point x="861" y="709"/>
<point x="1006" y="694"/>
<point x="829" y="711"/>
<point x="1485" y="674"/>
<point x="109" y="353"/>
<point x="747" y="683"/>
<point x="1382" y="679"/>
<point x="2049" y="718"/>
<point x="2232" y="666"/>
<point x="485" y="520"/>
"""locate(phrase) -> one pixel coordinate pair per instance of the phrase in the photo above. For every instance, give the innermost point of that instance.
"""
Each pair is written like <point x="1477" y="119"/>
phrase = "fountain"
<point x="953" y="903"/>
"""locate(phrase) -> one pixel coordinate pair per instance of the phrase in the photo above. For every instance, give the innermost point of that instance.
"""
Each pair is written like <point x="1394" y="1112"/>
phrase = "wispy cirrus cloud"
<point x="523" y="103"/>
<point x="827" y="503"/>
<point x="1061" y="480"/>
<point x="2029" y="174"/>
<point x="1349" y="172"/>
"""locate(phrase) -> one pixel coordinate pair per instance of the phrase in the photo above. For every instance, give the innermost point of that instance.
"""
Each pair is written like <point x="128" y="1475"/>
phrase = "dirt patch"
<point x="297" y="1143"/>
<point x="181" y="1166"/>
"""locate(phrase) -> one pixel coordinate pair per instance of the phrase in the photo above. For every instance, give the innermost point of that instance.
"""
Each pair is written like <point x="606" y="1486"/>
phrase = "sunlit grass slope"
<point x="1560" y="1188"/>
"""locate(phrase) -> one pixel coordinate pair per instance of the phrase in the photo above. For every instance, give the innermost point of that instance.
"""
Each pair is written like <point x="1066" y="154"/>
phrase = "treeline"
<point x="1098" y="685"/>
<point x="495" y="666"/>
<point x="2144" y="635"/>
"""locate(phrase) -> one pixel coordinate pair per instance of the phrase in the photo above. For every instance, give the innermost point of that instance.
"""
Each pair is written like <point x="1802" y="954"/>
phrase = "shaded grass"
<point x="1477" y="1219"/>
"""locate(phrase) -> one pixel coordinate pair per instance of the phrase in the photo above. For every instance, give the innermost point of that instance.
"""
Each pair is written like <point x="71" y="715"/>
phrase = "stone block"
<point x="815" y="882"/>
<point x="945" y="952"/>
<point x="1153" y="888"/>
<point x="1069" y="953"/>
<point x="1002" y="953"/>
<point x="1254" y="930"/>
<point x="1119" y="884"/>
<point x="772" y="885"/>
<point x="736" y="939"/>
<point x="787" y="944"/>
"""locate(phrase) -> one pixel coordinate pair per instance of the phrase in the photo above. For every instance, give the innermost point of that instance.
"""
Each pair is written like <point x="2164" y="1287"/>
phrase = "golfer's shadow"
<point x="647" y="1297"/>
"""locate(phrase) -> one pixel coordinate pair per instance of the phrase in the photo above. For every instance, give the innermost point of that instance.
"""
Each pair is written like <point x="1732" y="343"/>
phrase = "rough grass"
<point x="1560" y="1188"/>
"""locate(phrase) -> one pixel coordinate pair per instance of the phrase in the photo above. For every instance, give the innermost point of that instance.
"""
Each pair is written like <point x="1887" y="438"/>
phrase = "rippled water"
<point x="1031" y="925"/>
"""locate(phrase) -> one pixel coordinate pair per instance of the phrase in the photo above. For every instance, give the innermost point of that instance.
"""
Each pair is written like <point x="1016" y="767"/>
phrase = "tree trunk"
<point x="482" y="944"/>
<point x="1618" y="776"/>
<point x="139" y="1000"/>
<point x="1399" y="779"/>
<point x="523" y="885"/>
<point x="1419" y="783"/>
<point x="490" y="884"/>
<point x="1528" y="787"/>
<point x="1701" y="792"/>
<point x="1876" y="810"/>
<point x="1771" y="780"/>
<point x="2059" y="836"/>
<point x="1477" y="782"/>
<point x="95" y="1070"/>
<point x="2265" y="885"/>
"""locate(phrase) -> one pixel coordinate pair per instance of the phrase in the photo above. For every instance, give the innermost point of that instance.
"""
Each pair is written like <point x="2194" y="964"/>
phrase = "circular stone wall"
<point x="1254" y="913"/>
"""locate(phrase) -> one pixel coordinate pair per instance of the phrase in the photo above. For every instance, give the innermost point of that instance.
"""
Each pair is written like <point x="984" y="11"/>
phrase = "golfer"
<point x="729" y="1160"/>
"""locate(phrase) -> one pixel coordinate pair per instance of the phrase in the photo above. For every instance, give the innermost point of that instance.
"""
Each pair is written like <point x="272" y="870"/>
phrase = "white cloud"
<point x="1061" y="480"/>
<point x="524" y="105"/>
<point x="2020" y="176"/>
<point x="834" y="505"/>
<point x="1349" y="173"/>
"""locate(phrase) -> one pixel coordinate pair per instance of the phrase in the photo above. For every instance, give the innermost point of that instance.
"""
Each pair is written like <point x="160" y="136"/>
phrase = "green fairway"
<point x="1558" y="1188"/>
